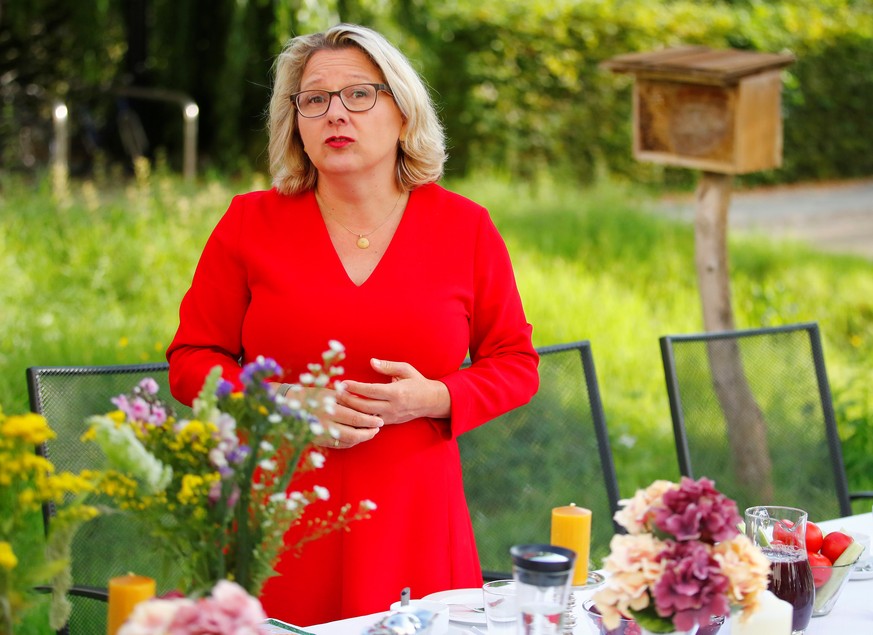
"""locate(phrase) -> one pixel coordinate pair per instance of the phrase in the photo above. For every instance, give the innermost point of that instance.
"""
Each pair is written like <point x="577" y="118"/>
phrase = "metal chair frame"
<point x="668" y="342"/>
<point x="39" y="395"/>
<point x="589" y="383"/>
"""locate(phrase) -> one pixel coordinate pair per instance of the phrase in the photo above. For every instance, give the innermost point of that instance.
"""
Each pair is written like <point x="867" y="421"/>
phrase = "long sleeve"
<point x="503" y="374"/>
<point x="212" y="312"/>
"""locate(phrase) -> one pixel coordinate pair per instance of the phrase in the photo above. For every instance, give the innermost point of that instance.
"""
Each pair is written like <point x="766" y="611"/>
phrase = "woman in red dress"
<point x="356" y="242"/>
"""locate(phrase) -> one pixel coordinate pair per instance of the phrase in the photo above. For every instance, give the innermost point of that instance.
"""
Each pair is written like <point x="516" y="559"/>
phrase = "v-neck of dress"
<point x="325" y="236"/>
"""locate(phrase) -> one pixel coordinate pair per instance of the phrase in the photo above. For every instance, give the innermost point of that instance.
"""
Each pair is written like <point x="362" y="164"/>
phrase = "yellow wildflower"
<point x="32" y="428"/>
<point x="8" y="560"/>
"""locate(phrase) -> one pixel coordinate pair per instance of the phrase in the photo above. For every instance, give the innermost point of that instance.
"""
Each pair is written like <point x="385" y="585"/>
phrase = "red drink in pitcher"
<point x="791" y="580"/>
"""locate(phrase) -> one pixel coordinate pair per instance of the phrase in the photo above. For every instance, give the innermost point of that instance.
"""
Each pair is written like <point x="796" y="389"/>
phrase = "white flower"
<point x="307" y="379"/>
<point x="127" y="454"/>
<point x="336" y="346"/>
<point x="267" y="465"/>
<point x="368" y="504"/>
<point x="274" y="418"/>
<point x="266" y="446"/>
<point x="316" y="428"/>
<point x="321" y="492"/>
<point x="317" y="459"/>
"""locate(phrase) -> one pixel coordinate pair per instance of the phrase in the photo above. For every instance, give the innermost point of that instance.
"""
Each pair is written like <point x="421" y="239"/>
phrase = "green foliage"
<point x="520" y="86"/>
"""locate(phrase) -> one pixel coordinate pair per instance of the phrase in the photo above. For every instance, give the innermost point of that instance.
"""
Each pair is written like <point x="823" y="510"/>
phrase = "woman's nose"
<point x="336" y="109"/>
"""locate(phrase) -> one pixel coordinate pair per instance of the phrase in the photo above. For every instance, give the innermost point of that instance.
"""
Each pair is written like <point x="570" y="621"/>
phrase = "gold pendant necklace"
<point x="362" y="242"/>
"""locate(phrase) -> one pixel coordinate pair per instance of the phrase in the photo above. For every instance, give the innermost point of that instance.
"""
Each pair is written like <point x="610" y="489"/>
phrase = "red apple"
<point x="782" y="534"/>
<point x="834" y="544"/>
<point x="821" y="571"/>
<point x="814" y="537"/>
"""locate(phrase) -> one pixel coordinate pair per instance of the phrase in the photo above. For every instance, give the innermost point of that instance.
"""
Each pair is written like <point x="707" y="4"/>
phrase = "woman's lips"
<point x="338" y="142"/>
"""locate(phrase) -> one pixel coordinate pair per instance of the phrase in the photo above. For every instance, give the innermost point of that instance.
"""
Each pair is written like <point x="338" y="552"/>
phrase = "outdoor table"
<point x="853" y="612"/>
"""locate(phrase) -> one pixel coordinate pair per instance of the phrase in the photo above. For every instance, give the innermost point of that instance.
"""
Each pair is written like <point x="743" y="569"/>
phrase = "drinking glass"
<point x="542" y="574"/>
<point x="501" y="609"/>
<point x="780" y="532"/>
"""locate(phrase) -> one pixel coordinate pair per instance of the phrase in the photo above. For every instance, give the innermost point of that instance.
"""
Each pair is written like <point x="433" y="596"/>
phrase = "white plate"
<point x="865" y="572"/>
<point x="458" y="599"/>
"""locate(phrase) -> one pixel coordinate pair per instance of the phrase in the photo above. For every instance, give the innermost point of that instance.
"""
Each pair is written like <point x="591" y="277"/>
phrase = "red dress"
<point x="269" y="282"/>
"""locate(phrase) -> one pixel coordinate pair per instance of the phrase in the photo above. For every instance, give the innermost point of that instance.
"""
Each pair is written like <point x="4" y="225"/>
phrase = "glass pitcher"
<point x="780" y="532"/>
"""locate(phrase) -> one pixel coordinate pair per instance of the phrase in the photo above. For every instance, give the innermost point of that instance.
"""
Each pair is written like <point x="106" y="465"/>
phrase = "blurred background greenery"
<point x="518" y="84"/>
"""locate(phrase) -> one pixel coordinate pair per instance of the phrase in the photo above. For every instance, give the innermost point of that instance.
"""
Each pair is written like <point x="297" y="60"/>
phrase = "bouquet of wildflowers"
<point x="683" y="560"/>
<point x="215" y="489"/>
<point x="26" y="482"/>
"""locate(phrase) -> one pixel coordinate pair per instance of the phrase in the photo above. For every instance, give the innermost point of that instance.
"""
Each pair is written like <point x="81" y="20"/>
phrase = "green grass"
<point x="94" y="275"/>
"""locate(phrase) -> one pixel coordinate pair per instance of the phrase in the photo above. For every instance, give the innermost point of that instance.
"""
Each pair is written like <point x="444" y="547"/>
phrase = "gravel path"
<point x="835" y="217"/>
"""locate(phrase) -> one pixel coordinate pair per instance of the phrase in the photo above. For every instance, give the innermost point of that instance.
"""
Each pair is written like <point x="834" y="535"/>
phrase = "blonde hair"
<point x="421" y="154"/>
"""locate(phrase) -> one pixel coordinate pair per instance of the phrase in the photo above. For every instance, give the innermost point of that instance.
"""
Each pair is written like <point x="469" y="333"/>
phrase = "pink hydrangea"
<point x="692" y="587"/>
<point x="228" y="611"/>
<point x="697" y="511"/>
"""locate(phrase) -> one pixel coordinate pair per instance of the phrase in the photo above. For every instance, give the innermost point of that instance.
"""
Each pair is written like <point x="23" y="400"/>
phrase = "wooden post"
<point x="746" y="427"/>
<point x="717" y="111"/>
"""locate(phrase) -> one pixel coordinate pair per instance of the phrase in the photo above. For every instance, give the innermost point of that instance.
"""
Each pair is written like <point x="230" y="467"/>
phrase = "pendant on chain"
<point x="362" y="242"/>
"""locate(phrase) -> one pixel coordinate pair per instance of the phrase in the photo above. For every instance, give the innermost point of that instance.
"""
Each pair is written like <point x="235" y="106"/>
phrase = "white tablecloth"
<point x="852" y="615"/>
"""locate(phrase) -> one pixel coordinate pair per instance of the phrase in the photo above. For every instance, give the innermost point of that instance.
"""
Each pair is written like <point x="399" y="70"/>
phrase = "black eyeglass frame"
<point x="385" y="88"/>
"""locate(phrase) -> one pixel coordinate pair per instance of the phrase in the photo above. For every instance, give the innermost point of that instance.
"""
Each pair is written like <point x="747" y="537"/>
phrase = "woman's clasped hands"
<point x="363" y="408"/>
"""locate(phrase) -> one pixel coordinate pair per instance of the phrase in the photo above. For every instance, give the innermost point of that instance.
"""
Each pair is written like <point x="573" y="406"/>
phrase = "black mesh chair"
<point x="112" y="544"/>
<point x="752" y="410"/>
<point x="553" y="451"/>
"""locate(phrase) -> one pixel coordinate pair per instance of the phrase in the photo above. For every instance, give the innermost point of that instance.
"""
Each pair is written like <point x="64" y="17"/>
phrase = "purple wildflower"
<point x="159" y="415"/>
<point x="149" y="386"/>
<point x="224" y="388"/>
<point x="692" y="587"/>
<point x="697" y="511"/>
<point x="260" y="369"/>
<point x="238" y="454"/>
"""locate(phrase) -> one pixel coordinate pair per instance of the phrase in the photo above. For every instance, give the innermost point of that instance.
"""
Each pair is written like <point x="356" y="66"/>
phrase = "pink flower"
<point x="697" y="511"/>
<point x="228" y="611"/>
<point x="692" y="588"/>
<point x="683" y="561"/>
<point x="636" y="513"/>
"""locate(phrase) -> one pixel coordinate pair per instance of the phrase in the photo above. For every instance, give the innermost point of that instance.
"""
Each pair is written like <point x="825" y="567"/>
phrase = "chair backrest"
<point x="112" y="544"/>
<point x="752" y="410"/>
<point x="552" y="451"/>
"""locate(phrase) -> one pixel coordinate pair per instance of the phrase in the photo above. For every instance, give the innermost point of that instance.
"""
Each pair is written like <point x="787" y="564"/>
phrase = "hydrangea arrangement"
<point x="227" y="610"/>
<point x="683" y="560"/>
<point x="26" y="482"/>
<point x="216" y="490"/>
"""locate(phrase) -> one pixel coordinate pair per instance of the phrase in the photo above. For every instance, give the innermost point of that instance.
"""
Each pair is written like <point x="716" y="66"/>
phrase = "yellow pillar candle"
<point x="571" y="528"/>
<point x="125" y="592"/>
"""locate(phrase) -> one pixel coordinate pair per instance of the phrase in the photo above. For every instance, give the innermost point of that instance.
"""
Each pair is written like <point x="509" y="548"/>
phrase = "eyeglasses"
<point x="356" y="98"/>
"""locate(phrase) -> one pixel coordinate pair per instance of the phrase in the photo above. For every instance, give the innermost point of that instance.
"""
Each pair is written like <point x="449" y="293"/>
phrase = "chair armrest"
<point x="91" y="592"/>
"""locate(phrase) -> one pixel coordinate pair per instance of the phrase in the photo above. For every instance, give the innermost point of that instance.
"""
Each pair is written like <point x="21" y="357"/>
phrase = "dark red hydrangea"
<point x="692" y="588"/>
<point x="697" y="511"/>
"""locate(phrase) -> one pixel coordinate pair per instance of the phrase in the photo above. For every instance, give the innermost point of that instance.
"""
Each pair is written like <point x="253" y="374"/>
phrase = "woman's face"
<point x="344" y="143"/>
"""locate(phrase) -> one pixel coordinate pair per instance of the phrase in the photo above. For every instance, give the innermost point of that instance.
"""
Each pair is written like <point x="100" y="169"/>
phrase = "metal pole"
<point x="61" y="150"/>
<point x="190" y="114"/>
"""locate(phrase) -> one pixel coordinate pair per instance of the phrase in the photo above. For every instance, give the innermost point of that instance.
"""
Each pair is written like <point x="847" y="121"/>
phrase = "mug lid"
<point x="540" y="557"/>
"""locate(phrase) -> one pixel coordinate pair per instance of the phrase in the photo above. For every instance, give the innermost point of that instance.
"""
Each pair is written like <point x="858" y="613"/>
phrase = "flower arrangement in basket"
<point x="26" y="482"/>
<point x="215" y="490"/>
<point x="682" y="562"/>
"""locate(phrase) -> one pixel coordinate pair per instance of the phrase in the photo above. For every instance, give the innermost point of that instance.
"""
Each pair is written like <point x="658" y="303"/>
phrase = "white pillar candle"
<point x="773" y="617"/>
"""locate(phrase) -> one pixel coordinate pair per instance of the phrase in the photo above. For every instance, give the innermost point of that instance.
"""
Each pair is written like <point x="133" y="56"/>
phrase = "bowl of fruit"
<point x="832" y="557"/>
